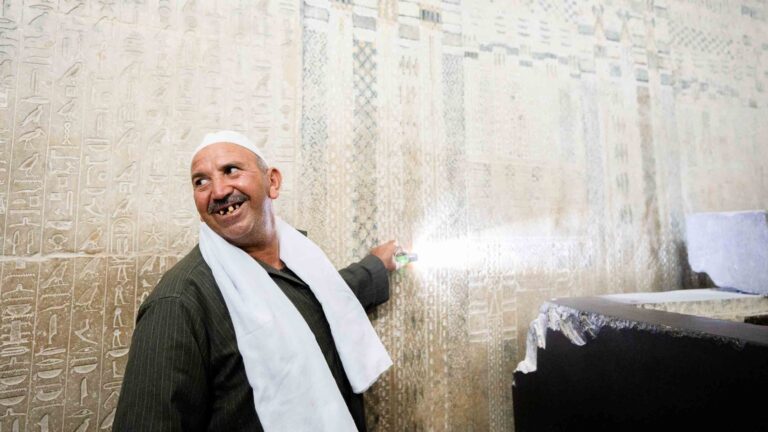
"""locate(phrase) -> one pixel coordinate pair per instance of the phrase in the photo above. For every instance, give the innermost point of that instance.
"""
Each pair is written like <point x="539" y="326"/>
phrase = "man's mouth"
<point x="228" y="210"/>
<point x="230" y="206"/>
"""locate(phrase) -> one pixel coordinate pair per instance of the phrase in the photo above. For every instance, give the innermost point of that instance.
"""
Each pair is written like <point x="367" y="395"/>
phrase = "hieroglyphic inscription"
<point x="547" y="148"/>
<point x="85" y="343"/>
<point x="63" y="161"/>
<point x="16" y="341"/>
<point x="23" y="226"/>
<point x="118" y="328"/>
<point x="314" y="134"/>
<point x="49" y="365"/>
<point x="122" y="218"/>
<point x="100" y="104"/>
<point x="364" y="203"/>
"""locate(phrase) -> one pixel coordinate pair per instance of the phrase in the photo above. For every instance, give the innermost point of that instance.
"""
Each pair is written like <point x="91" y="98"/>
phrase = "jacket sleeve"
<point x="369" y="280"/>
<point x="165" y="385"/>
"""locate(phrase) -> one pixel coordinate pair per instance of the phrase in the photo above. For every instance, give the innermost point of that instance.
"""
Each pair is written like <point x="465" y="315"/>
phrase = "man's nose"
<point x="220" y="189"/>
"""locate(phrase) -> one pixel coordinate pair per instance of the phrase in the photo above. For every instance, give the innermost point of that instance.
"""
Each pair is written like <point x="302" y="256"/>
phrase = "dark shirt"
<point x="184" y="371"/>
<point x="311" y="310"/>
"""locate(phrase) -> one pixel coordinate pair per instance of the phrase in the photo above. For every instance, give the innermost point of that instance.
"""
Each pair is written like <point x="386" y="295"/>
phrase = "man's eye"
<point x="200" y="182"/>
<point x="231" y="170"/>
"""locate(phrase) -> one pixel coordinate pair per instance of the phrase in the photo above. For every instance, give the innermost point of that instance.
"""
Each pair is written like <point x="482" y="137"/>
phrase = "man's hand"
<point x="386" y="253"/>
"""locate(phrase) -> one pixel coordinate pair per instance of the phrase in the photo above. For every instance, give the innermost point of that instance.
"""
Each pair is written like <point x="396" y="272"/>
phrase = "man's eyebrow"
<point x="235" y="163"/>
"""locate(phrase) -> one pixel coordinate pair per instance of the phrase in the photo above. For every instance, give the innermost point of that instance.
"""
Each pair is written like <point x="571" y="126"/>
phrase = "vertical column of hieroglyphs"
<point x="442" y="214"/>
<point x="759" y="51"/>
<point x="743" y="173"/>
<point x="85" y="336"/>
<point x="312" y="201"/>
<point x="127" y="46"/>
<point x="361" y="161"/>
<point x="756" y="51"/>
<point x="217" y="90"/>
<point x="512" y="165"/>
<point x="647" y="264"/>
<point x="415" y="65"/>
<point x="48" y="372"/>
<point x="340" y="108"/>
<point x="9" y="51"/>
<point x="14" y="365"/>
<point x="479" y="90"/>
<point x="409" y="377"/>
<point x="394" y="402"/>
<point x="23" y="224"/>
<point x="235" y="76"/>
<point x="187" y="92"/>
<point x="648" y="260"/>
<point x="283" y="121"/>
<point x="498" y="155"/>
<point x="367" y="162"/>
<point x="389" y="195"/>
<point x="611" y="113"/>
<point x="577" y="261"/>
<point x="581" y="69"/>
<point x="746" y="127"/>
<point x="661" y="77"/>
<point x="514" y="171"/>
<point x="541" y="235"/>
<point x="519" y="169"/>
<point x="692" y="105"/>
<point x="87" y="314"/>
<point x="156" y="205"/>
<point x="475" y="98"/>
<point x="455" y="300"/>
<point x="53" y="315"/>
<point x="617" y="101"/>
<point x="639" y="26"/>
<point x="686" y="113"/>
<point x="569" y="193"/>
<point x="389" y="148"/>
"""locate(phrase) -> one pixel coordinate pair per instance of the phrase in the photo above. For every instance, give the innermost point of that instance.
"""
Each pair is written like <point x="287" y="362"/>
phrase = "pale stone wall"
<point x="525" y="149"/>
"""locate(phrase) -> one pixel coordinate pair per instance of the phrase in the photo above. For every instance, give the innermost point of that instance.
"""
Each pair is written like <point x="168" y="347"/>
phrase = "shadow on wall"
<point x="690" y="279"/>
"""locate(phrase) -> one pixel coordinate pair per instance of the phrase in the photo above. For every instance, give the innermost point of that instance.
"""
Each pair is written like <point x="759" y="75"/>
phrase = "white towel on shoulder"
<point x="293" y="388"/>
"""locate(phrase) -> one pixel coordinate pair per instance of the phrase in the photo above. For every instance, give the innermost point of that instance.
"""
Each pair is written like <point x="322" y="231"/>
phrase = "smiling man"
<point x="254" y="329"/>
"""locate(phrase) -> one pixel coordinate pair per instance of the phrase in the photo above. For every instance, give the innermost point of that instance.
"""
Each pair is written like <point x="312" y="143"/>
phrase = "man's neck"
<point x="269" y="254"/>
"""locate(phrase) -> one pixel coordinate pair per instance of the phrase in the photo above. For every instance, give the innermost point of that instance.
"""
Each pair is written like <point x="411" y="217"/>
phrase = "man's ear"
<point x="275" y="180"/>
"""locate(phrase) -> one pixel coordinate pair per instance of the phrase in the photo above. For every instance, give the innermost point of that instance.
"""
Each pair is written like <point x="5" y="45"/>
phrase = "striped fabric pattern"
<point x="184" y="371"/>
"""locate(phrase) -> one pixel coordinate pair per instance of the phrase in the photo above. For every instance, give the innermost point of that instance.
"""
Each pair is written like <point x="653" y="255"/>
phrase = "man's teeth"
<point x="229" y="209"/>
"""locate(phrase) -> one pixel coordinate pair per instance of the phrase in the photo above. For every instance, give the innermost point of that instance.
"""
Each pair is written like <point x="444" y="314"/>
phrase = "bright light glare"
<point x="454" y="253"/>
<point x="524" y="245"/>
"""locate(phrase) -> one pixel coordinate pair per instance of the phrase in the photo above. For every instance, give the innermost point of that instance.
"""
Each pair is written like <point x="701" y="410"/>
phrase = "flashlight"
<point x="403" y="258"/>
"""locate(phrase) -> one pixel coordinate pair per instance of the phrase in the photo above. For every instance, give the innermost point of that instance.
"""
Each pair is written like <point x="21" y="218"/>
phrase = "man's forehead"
<point x="221" y="152"/>
<point x="222" y="147"/>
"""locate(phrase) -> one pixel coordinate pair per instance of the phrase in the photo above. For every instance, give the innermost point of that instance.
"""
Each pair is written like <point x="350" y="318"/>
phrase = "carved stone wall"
<point x="525" y="149"/>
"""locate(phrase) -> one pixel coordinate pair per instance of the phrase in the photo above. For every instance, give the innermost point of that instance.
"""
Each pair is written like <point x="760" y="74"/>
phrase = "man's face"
<point x="233" y="193"/>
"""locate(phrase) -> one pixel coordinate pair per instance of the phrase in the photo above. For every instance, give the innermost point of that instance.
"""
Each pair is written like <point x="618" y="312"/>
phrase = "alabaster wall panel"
<point x="525" y="150"/>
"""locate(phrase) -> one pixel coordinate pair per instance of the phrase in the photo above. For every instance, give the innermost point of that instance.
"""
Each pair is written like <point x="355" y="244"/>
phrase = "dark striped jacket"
<point x="184" y="370"/>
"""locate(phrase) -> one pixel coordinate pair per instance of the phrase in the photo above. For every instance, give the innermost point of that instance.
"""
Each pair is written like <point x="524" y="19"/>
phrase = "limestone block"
<point x="732" y="248"/>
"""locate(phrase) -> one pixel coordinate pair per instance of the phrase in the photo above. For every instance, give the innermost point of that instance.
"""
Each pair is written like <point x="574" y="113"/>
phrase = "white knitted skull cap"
<point x="232" y="137"/>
